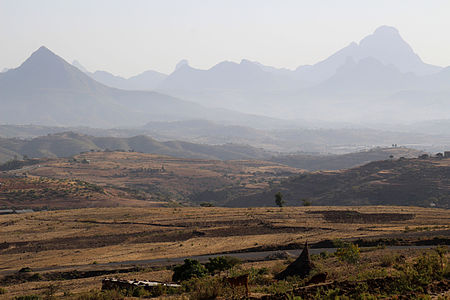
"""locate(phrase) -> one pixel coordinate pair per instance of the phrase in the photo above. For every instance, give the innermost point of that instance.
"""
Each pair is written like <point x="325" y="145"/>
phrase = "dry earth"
<point x="103" y="235"/>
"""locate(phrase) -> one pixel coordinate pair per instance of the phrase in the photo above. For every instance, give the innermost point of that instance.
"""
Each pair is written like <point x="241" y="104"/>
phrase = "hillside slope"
<point x="69" y="143"/>
<point x="389" y="182"/>
<point x="343" y="161"/>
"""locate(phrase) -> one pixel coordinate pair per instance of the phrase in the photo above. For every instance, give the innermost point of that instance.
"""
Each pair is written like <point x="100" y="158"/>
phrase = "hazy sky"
<point x="128" y="37"/>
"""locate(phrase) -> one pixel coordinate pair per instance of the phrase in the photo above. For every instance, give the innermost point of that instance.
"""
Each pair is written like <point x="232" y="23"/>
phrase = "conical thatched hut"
<point x="301" y="267"/>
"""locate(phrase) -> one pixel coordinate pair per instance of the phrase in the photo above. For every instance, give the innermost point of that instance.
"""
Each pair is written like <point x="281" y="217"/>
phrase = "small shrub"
<point x="206" y="288"/>
<point x="325" y="254"/>
<point x="25" y="270"/>
<point x="388" y="260"/>
<point x="349" y="253"/>
<point x="2" y="291"/>
<point x="414" y="276"/>
<point x="278" y="287"/>
<point x="36" y="277"/>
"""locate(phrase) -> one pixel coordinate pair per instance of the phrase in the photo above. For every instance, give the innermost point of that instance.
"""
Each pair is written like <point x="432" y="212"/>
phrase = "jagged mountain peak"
<point x="46" y="70"/>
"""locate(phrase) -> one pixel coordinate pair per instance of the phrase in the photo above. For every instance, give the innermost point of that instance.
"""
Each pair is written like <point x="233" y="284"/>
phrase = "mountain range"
<point x="46" y="90"/>
<point x="385" y="45"/>
<point x="380" y="79"/>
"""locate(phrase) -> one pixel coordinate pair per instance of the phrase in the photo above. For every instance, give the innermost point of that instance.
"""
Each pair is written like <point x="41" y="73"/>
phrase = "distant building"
<point x="447" y="154"/>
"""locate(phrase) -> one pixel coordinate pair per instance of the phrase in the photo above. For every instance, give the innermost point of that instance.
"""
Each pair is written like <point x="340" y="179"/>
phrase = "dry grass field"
<point x="91" y="238"/>
<point x="103" y="235"/>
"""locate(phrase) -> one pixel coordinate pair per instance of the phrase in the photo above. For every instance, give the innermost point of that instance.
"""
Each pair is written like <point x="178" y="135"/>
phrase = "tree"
<point x="221" y="263"/>
<point x="306" y="202"/>
<point x="191" y="268"/>
<point x="279" y="199"/>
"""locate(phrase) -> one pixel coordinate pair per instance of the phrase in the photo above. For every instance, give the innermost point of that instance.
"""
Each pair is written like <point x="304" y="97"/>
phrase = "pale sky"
<point x="129" y="37"/>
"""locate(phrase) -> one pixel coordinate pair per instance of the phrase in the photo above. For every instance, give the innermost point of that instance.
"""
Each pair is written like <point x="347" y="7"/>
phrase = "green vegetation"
<point x="190" y="269"/>
<point x="348" y="253"/>
<point x="221" y="263"/>
<point x="279" y="199"/>
<point x="306" y="202"/>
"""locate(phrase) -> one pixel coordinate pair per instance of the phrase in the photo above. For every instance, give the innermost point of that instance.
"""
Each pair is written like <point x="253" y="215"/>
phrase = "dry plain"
<point x="89" y="239"/>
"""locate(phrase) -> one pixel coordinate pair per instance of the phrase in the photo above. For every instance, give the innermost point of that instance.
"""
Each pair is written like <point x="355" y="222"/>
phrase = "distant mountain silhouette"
<point x="145" y="81"/>
<point x="46" y="89"/>
<point x="385" y="45"/>
<point x="226" y="75"/>
<point x="379" y="79"/>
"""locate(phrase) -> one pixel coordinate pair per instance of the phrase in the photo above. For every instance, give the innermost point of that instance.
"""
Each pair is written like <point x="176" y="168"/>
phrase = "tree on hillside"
<point x="279" y="199"/>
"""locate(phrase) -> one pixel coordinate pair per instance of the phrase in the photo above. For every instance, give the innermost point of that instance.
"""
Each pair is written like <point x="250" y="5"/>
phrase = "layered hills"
<point x="419" y="182"/>
<point x="110" y="178"/>
<point x="69" y="143"/>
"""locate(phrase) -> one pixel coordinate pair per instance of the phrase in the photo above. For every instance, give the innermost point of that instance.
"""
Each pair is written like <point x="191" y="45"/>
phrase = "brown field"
<point x="154" y="178"/>
<point x="89" y="239"/>
<point x="82" y="236"/>
<point x="43" y="192"/>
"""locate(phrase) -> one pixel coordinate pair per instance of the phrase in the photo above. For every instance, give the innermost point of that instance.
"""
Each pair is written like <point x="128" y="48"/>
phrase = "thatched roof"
<point x="301" y="267"/>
